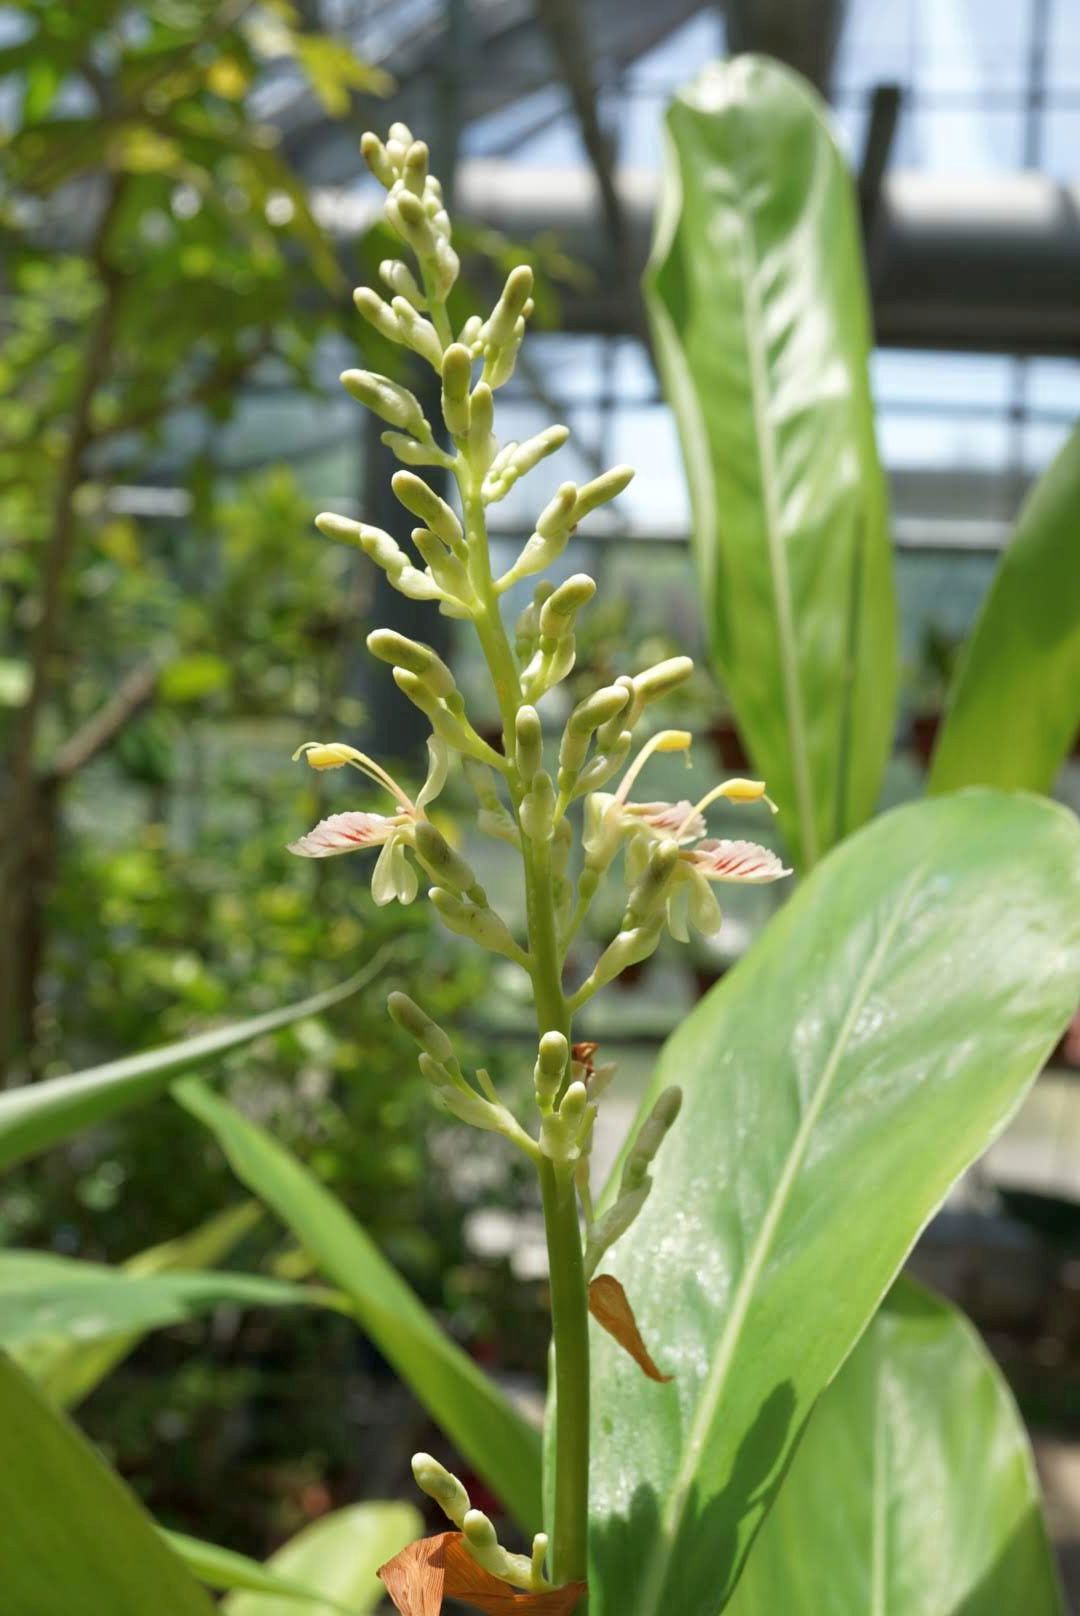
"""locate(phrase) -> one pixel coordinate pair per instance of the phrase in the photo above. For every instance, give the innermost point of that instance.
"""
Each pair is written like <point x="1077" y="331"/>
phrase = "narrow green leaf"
<point x="914" y="1488"/>
<point x="67" y="1371"/>
<point x="73" y="1538"/>
<point x="471" y="1409"/>
<point x="875" y="1039"/>
<point x="225" y="1570"/>
<point x="44" y="1297"/>
<point x="1014" y="709"/>
<point x="757" y="300"/>
<point x="42" y="1114"/>
<point x="339" y="1556"/>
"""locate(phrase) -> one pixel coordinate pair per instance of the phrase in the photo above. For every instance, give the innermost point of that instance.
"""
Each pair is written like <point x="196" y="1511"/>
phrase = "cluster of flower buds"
<point x="525" y="793"/>
<point x="481" y="1538"/>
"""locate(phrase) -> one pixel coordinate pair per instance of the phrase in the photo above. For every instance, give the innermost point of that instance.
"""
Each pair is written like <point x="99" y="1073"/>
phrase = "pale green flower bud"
<point x="550" y="1069"/>
<point x="610" y="733"/>
<point x="456" y="382"/>
<point x="422" y="1030"/>
<point x="447" y="265"/>
<point x="417" y="333"/>
<point x="556" y="518"/>
<point x="595" y="710"/>
<point x="527" y="627"/>
<point x="519" y="458"/>
<point x="414" y="170"/>
<point x="389" y="646"/>
<point x="375" y="156"/>
<point x="408" y="216"/>
<point x="601" y="768"/>
<point x="377" y="313"/>
<point x="659" y="680"/>
<point x="529" y="753"/>
<point x="537" y="812"/>
<point x="650" y="1137"/>
<point x="412" y="453"/>
<point x="601" y="489"/>
<point x="346" y="531"/>
<point x="445" y="568"/>
<point x="563" y="1132"/>
<point x="401" y="134"/>
<point x="470" y="334"/>
<point x="628" y="948"/>
<point x="402" y="282"/>
<point x="444" y="865"/>
<point x="504" y="316"/>
<point x="482" y="925"/>
<point x="612" y="1224"/>
<point x="425" y="503"/>
<point x="439" y="1484"/>
<point x="417" y="586"/>
<point x="388" y="400"/>
<point x="558" y="612"/>
<point x="650" y="890"/>
<point x="454" y="730"/>
<point x="482" y="445"/>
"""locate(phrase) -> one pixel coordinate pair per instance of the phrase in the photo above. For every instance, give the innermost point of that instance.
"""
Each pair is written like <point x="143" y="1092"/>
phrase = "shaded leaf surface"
<point x="469" y="1407"/>
<point x="875" y="1039"/>
<point x="758" y="306"/>
<point x="913" y="1489"/>
<point x="73" y="1538"/>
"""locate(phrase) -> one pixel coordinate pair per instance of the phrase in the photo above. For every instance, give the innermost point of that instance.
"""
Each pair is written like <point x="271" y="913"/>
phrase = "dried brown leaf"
<point x="434" y="1568"/>
<point x="415" y="1578"/>
<point x="611" y="1309"/>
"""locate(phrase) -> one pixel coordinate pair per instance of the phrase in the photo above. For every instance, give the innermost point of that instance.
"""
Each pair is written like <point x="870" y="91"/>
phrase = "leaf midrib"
<point x="780" y="578"/>
<point x="715" y="1385"/>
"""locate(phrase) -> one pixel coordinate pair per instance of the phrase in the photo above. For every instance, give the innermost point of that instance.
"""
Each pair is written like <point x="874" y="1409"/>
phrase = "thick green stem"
<point x="570" y="1338"/>
<point x="569" y="1295"/>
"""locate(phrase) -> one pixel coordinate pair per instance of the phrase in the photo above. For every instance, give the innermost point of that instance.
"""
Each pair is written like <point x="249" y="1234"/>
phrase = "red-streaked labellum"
<point x="436" y="1568"/>
<point x="736" y="861"/>
<point x="345" y="833"/>
<point x="669" y="819"/>
<point x="610" y="1307"/>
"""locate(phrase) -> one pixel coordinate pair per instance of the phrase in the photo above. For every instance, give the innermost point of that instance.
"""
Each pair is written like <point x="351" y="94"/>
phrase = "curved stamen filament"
<point x="665" y="740"/>
<point x="336" y="754"/>
<point x="733" y="791"/>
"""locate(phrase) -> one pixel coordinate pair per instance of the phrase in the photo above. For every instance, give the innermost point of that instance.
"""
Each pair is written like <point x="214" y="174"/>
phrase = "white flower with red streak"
<point x="612" y="819"/>
<point x="351" y="832"/>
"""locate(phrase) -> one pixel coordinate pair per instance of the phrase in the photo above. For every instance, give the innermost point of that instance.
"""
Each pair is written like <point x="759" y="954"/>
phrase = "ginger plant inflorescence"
<point x="525" y="791"/>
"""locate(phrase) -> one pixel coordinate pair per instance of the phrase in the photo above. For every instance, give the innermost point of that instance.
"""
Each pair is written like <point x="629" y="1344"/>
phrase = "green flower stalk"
<point x="669" y="865"/>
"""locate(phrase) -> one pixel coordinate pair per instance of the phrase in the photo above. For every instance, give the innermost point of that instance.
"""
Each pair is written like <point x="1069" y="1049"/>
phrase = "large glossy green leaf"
<point x="72" y="1538"/>
<point x="874" y="1040"/>
<point x="45" y="1297"/>
<point x="42" y="1114"/>
<point x="68" y="1370"/>
<point x="1015" y="705"/>
<point x="339" y="1555"/>
<point x="913" y="1489"/>
<point x="470" y="1408"/>
<point x="225" y="1570"/>
<point x="758" y="306"/>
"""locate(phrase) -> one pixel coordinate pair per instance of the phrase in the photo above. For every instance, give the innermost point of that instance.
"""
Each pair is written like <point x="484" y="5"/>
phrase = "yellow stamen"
<point x="336" y="754"/>
<point x="734" y="791"/>
<point x="665" y="740"/>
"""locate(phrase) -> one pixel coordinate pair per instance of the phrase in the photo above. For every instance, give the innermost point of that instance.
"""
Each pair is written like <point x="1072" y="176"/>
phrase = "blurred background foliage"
<point x="155" y="676"/>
